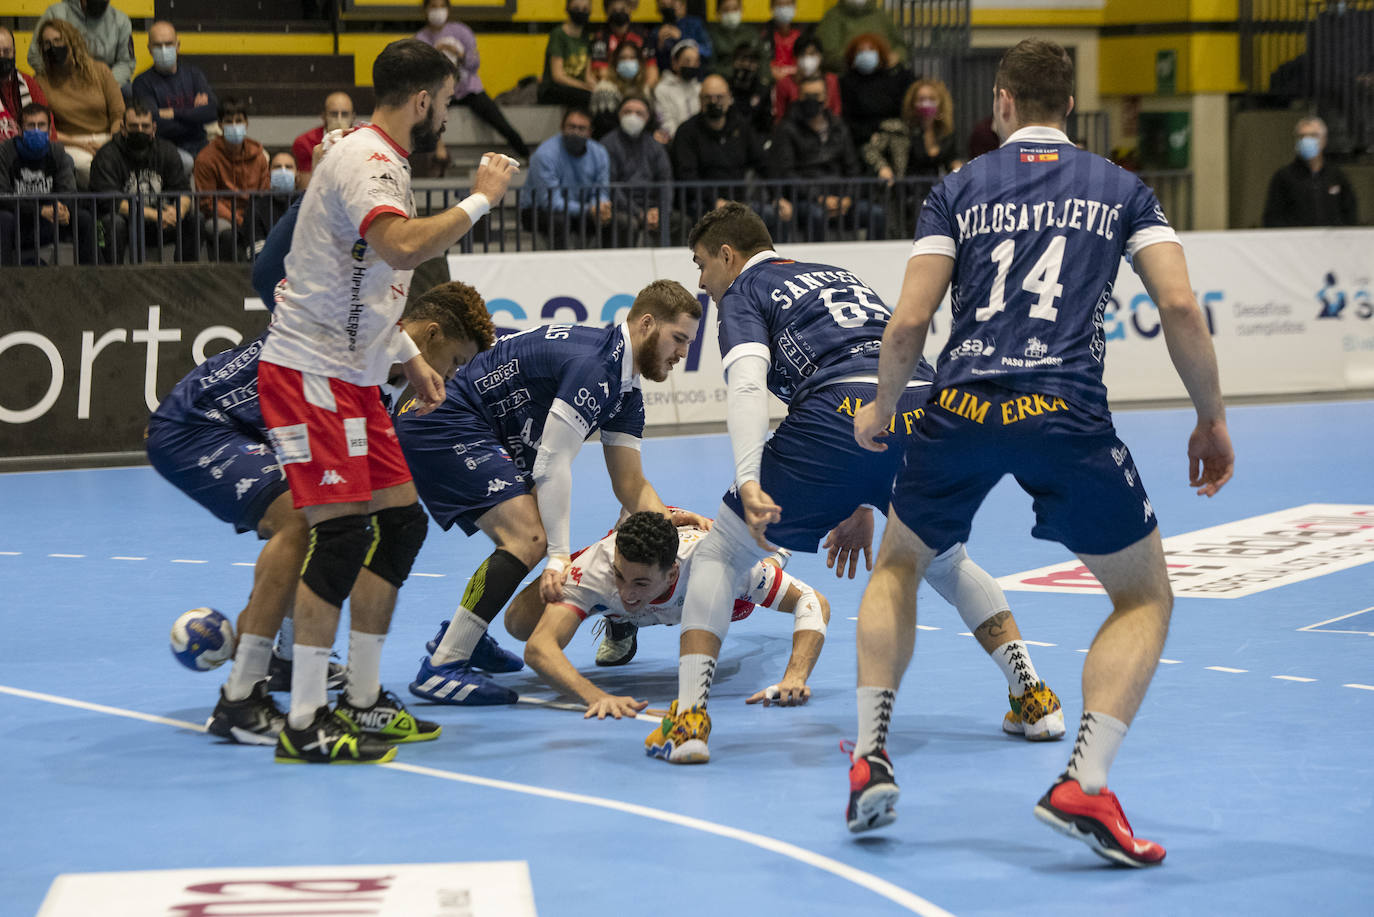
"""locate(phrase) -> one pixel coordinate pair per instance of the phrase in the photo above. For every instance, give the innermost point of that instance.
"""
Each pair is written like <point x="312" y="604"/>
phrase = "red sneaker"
<point x="872" y="791"/>
<point x="1096" y="821"/>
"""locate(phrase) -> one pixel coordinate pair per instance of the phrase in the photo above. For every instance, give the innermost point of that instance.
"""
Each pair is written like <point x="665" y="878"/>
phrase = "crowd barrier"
<point x="84" y="355"/>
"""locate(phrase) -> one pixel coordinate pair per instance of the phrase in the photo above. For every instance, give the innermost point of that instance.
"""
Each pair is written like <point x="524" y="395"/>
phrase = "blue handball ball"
<point x="203" y="639"/>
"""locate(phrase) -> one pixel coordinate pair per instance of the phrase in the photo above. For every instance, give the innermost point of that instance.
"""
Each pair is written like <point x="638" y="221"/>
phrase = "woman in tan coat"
<point x="86" y="103"/>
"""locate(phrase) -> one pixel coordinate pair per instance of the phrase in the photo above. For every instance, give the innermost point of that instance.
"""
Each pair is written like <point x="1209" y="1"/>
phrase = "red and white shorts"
<point x="333" y="439"/>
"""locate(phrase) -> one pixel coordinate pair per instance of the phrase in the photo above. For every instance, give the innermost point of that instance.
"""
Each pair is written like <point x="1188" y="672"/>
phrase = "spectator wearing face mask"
<point x="459" y="45"/>
<point x="677" y="95"/>
<point x="16" y="89"/>
<point x="85" y="100"/>
<point x="717" y="145"/>
<point x="566" y="195"/>
<point x="871" y="91"/>
<point x="31" y="163"/>
<point x="568" y="78"/>
<point x="847" y="20"/>
<point x="282" y="176"/>
<point x="107" y="33"/>
<point x="921" y="141"/>
<point x="637" y="158"/>
<point x="233" y="162"/>
<point x="1310" y="190"/>
<point x="748" y="90"/>
<point x="619" y="30"/>
<point x="780" y="39"/>
<point x="337" y="116"/>
<point x="677" y="27"/>
<point x="149" y="170"/>
<point x="728" y="34"/>
<point x="808" y="65"/>
<point x="177" y="92"/>
<point x="625" y="77"/>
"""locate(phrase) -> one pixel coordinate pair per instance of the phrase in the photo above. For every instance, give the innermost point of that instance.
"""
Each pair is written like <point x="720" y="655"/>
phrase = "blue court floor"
<point x="1260" y="786"/>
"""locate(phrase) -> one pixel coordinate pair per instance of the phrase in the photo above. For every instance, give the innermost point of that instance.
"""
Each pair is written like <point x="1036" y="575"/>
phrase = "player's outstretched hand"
<point x="870" y="426"/>
<point x="428" y="385"/>
<point x="785" y="693"/>
<point x="1211" y="460"/>
<point x="614" y="707"/>
<point x="687" y="517"/>
<point x="846" y="540"/>
<point x="551" y="581"/>
<point x="759" y="512"/>
<point x="494" y="176"/>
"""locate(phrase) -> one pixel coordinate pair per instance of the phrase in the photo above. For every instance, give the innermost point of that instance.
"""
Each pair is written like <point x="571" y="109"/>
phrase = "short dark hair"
<point x="230" y="106"/>
<point x="460" y="311"/>
<point x="573" y="110"/>
<point x="35" y="108"/>
<point x="647" y="538"/>
<point x="665" y="300"/>
<point x="138" y="107"/>
<point x="1038" y="74"/>
<point x="814" y="78"/>
<point x="732" y="224"/>
<point x="634" y="95"/>
<point x="406" y="67"/>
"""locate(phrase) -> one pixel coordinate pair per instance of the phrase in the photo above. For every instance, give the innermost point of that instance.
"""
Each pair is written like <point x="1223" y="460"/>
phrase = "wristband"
<point x="475" y="206"/>
<point x="556" y="564"/>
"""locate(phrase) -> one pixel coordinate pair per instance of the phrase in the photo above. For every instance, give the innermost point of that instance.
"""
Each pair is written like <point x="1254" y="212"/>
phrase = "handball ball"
<point x="203" y="639"/>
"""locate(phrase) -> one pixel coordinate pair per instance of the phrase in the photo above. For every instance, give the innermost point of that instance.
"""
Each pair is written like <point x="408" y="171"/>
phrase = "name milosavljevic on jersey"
<point x="1070" y="213"/>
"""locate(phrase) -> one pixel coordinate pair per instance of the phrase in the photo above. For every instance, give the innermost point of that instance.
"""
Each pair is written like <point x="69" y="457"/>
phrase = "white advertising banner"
<point x="1290" y="311"/>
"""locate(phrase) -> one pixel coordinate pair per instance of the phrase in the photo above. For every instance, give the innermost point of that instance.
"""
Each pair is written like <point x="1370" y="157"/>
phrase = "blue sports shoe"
<point x="459" y="684"/>
<point x="487" y="655"/>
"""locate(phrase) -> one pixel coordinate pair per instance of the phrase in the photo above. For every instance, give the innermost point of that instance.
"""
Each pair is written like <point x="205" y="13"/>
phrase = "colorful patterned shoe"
<point x="681" y="737"/>
<point x="1036" y="714"/>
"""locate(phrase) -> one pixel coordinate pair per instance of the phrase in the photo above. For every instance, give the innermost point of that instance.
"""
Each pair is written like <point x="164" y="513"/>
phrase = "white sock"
<point x="694" y="674"/>
<point x="1014" y="660"/>
<point x="364" y="668"/>
<point x="875" y="715"/>
<point x="286" y="637"/>
<point x="309" y="676"/>
<point x="460" y="639"/>
<point x="250" y="666"/>
<point x="1099" y="737"/>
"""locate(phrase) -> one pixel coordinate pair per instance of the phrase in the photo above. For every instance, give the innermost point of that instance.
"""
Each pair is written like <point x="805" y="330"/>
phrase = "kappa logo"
<point x="243" y="486"/>
<point x="1130" y="477"/>
<point x="378" y="157"/>
<point x="576" y="575"/>
<point x="331" y="476"/>
<point x="1149" y="510"/>
<point x="496" y="485"/>
<point x="1119" y="455"/>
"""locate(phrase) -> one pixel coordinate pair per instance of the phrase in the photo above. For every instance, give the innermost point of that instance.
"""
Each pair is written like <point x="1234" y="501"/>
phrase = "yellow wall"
<point x="1207" y="62"/>
<point x="552" y="10"/>
<point x="137" y="9"/>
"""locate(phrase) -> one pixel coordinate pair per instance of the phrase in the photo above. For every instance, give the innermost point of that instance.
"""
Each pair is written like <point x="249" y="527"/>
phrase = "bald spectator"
<point x="337" y="116"/>
<point x="107" y="32"/>
<point x="178" y="94"/>
<point x="16" y="89"/>
<point x="85" y="100"/>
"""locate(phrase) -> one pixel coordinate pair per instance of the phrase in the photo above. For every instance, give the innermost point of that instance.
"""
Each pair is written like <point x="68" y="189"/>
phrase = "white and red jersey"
<point x="339" y="308"/>
<point x="590" y="587"/>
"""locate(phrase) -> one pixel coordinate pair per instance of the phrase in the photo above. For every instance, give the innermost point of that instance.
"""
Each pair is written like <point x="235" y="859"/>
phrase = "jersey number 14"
<point x="1042" y="280"/>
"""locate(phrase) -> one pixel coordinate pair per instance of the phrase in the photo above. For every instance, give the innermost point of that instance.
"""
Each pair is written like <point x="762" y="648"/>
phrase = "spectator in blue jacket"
<point x="178" y="94"/>
<point x="566" y="195"/>
<point x="677" y="25"/>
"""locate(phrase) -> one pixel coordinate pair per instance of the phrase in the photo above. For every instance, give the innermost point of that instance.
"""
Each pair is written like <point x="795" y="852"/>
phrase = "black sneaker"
<point x="329" y="739"/>
<point x="279" y="675"/>
<point x="872" y="792"/>
<point x="619" y="645"/>
<point x="387" y="719"/>
<point x="255" y="720"/>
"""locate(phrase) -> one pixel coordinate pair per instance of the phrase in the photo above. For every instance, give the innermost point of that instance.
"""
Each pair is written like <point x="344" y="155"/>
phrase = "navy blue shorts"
<point x="1087" y="493"/>
<point x="224" y="468"/>
<point x="815" y="471"/>
<point x="463" y="479"/>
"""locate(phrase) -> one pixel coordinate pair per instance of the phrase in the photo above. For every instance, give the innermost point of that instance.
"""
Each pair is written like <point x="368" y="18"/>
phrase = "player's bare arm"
<point x="1162" y="268"/>
<point x="625" y="466"/>
<point x="792" y="690"/>
<point x="544" y="653"/>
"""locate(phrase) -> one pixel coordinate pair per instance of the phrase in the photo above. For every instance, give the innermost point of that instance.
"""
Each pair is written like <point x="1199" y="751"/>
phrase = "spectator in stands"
<point x="149" y="169"/>
<point x="780" y="39"/>
<point x="728" y="35"/>
<point x="808" y="65"/>
<point x="749" y="92"/>
<point x="177" y="92"/>
<point x="337" y="116"/>
<point x="677" y="27"/>
<point x="982" y="139"/>
<point x="565" y="195"/>
<point x="568" y="76"/>
<point x="31" y="163"/>
<point x="849" y="19"/>
<point x="86" y="104"/>
<point x="619" y="29"/>
<point x="16" y="89"/>
<point x="234" y="224"/>
<point x="637" y="158"/>
<point x="627" y="76"/>
<point x="871" y="87"/>
<point x="811" y="143"/>
<point x="717" y="145"/>
<point x="459" y="45"/>
<point x="107" y="33"/>
<point x="921" y="141"/>
<point x="282" y="174"/>
<point x="1310" y="191"/>
<point x="678" y="93"/>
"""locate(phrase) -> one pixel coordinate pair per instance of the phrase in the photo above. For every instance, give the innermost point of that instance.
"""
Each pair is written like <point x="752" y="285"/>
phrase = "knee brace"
<point x="966" y="586"/>
<point x="719" y="565"/>
<point x="337" y="549"/>
<point x="400" y="534"/>
<point x="808" y="612"/>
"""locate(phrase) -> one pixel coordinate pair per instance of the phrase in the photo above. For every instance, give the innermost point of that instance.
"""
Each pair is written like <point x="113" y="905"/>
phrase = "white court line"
<point x="122" y="557"/>
<point x="1084" y="651"/>
<point x="184" y="561"/>
<point x="964" y="633"/>
<point x="921" y="626"/>
<point x="431" y="575"/>
<point x="1037" y="643"/>
<point x="1222" y="668"/>
<point x="66" y="555"/>
<point x="1337" y="618"/>
<point x="243" y="563"/>
<point x="894" y="893"/>
<point x="1171" y="661"/>
<point x="1361" y="687"/>
<point x="577" y="708"/>
<point x="1292" y="678"/>
<point x="11" y="553"/>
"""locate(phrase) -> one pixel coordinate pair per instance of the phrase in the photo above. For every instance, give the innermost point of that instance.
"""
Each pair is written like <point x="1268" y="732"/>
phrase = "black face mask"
<point x="96" y="8"/>
<point x="579" y="17"/>
<point x="6" y="67"/>
<point x="138" y="142"/>
<point x="618" y="19"/>
<point x="669" y="15"/>
<point x="55" y="57"/>
<point x="714" y="110"/>
<point x="575" y="144"/>
<point x="810" y="108"/>
<point x="744" y="79"/>
<point x="689" y="73"/>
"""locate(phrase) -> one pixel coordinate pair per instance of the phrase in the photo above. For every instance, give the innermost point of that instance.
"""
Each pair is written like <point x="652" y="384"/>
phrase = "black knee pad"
<point x="400" y="534"/>
<point x="337" y="549"/>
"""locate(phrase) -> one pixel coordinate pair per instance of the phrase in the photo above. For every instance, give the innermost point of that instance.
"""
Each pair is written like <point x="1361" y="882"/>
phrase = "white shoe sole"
<point x="876" y="808"/>
<point x="242" y="736"/>
<point x="693" y="751"/>
<point x="1047" y="730"/>
<point x="1069" y="829"/>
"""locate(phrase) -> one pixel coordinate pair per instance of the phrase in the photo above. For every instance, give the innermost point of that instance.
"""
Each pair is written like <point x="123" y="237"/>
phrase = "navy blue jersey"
<point x="1037" y="230"/>
<point x="584" y="375"/>
<point x="815" y="324"/>
<point x="223" y="389"/>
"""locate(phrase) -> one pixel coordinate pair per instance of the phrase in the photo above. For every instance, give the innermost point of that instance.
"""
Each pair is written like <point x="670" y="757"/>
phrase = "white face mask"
<point x="784" y="14"/>
<point x="633" y="124"/>
<point x="437" y="16"/>
<point x="283" y="180"/>
<point x="235" y="133"/>
<point x="808" y="64"/>
<point x="165" y="58"/>
<point x="732" y="19"/>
